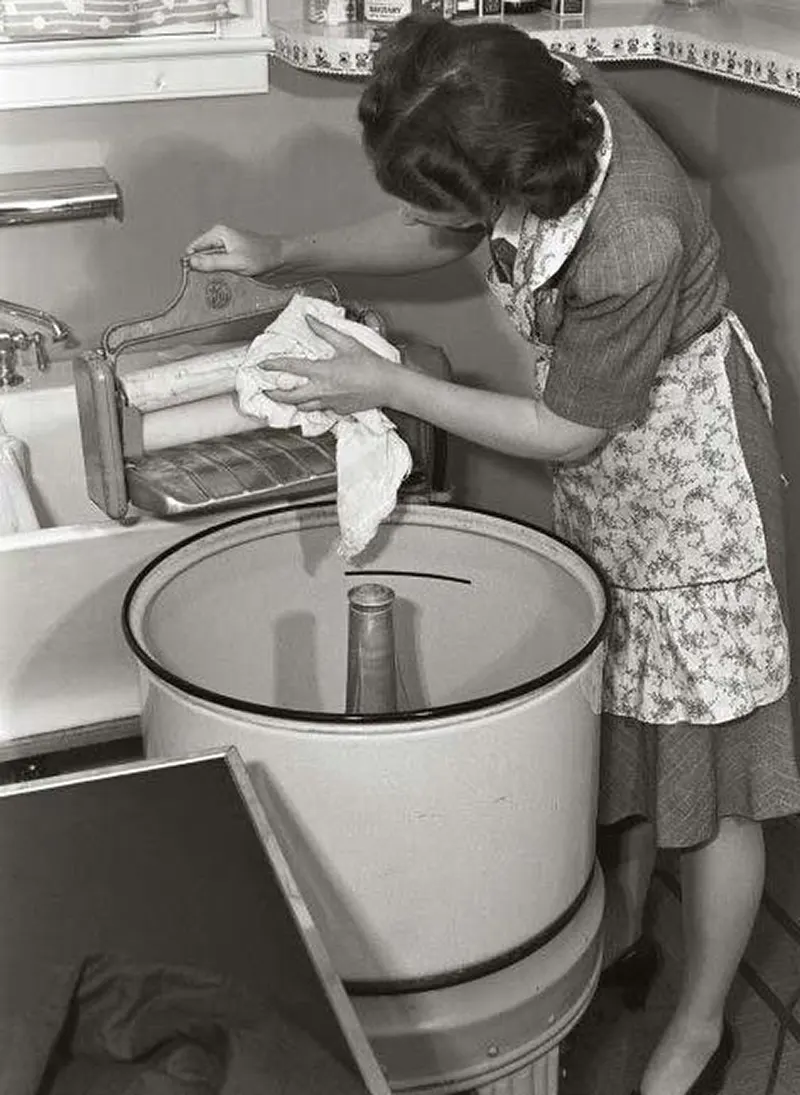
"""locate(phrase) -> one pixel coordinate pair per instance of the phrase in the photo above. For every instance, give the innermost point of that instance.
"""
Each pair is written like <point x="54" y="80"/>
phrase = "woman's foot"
<point x="689" y="1060"/>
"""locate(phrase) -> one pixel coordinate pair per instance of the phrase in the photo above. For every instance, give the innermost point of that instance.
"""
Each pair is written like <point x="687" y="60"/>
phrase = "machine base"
<point x="500" y="1034"/>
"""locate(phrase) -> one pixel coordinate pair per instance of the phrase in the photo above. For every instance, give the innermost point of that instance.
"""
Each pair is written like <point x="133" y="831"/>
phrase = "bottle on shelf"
<point x="371" y="666"/>
<point x="331" y="13"/>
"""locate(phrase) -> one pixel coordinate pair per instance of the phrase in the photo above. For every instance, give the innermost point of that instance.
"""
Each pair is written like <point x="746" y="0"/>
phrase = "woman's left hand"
<point x="354" y="379"/>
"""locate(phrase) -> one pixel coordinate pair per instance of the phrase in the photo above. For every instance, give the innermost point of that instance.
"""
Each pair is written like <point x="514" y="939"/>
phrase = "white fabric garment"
<point x="16" y="509"/>
<point x="372" y="460"/>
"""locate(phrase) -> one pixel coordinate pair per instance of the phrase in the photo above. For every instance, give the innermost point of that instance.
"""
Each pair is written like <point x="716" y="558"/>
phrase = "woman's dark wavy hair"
<point x="476" y="116"/>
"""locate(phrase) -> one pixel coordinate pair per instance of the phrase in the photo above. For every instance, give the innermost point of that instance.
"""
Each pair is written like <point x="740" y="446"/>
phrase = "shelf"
<point x="748" y="41"/>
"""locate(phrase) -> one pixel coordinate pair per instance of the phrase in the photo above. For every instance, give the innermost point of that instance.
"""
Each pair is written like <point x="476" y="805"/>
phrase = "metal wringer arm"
<point x="169" y="440"/>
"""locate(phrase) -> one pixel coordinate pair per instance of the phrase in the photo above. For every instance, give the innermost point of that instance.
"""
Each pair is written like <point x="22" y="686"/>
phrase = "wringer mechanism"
<point x="229" y="460"/>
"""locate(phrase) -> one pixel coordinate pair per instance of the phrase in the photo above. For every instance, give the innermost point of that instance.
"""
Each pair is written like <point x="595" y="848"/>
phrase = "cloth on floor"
<point x="109" y="1026"/>
<point x="372" y="460"/>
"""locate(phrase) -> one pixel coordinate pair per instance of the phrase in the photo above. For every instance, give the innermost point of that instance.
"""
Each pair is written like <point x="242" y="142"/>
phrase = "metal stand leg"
<point x="540" y="1077"/>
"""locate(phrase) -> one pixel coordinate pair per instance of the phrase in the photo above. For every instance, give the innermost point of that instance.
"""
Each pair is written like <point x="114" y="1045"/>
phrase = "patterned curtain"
<point x="38" y="19"/>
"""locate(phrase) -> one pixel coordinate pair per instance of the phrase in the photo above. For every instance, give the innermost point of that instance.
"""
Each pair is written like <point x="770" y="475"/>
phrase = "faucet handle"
<point x="9" y="377"/>
<point x="12" y="343"/>
<point x="25" y="340"/>
<point x="59" y="331"/>
<point x="40" y="351"/>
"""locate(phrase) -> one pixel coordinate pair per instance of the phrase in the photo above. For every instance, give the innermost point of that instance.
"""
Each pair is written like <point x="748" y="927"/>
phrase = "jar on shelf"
<point x="331" y="13"/>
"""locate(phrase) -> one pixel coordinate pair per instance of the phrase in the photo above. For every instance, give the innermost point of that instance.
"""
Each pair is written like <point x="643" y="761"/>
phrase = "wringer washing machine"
<point x="445" y="850"/>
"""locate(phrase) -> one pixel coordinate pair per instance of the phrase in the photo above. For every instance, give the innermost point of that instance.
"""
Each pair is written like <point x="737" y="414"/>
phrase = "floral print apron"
<point x="666" y="507"/>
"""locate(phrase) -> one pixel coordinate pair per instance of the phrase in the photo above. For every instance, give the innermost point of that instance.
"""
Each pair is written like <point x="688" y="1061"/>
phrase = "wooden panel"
<point x="162" y="864"/>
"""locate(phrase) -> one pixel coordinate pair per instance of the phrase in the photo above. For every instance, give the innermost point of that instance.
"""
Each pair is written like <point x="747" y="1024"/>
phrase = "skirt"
<point x="683" y="778"/>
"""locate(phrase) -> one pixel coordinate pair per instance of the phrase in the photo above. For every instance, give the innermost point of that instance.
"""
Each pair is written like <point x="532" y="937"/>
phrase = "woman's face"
<point x="462" y="221"/>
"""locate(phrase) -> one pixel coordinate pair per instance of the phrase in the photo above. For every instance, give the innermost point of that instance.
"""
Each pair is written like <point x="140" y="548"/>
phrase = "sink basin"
<point x="63" y="661"/>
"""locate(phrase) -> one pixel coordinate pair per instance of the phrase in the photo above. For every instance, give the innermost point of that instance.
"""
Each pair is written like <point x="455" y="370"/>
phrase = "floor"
<point x="609" y="1048"/>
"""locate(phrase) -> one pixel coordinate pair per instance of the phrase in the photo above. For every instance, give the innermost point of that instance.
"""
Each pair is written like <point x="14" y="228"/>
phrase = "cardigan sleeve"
<point x="619" y="310"/>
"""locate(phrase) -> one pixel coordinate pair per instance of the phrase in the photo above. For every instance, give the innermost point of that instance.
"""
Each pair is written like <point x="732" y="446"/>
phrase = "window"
<point x="67" y="52"/>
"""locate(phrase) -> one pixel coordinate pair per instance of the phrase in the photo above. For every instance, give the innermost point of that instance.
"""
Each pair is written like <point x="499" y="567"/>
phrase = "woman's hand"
<point x="354" y="379"/>
<point x="223" y="248"/>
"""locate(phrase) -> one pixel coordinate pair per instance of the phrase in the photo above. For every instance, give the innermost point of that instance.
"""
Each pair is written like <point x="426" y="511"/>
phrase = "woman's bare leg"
<point x="722" y="882"/>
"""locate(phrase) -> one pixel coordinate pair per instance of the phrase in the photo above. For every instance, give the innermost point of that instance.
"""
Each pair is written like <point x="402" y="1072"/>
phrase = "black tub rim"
<point x="340" y="718"/>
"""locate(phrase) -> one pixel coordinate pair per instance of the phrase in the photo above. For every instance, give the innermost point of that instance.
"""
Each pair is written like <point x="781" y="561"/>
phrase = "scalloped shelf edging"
<point x="338" y="53"/>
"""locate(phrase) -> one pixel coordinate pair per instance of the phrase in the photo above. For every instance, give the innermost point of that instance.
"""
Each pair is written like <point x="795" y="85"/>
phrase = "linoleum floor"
<point x="608" y="1049"/>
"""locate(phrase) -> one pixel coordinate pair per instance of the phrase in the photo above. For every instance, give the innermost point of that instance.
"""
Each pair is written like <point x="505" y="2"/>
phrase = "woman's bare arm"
<point x="384" y="244"/>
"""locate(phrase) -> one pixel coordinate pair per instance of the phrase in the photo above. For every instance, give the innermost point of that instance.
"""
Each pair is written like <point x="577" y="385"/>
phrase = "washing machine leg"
<point x="540" y="1077"/>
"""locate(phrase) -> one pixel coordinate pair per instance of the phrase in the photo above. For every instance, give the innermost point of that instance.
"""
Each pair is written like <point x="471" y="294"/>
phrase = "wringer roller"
<point x="169" y="441"/>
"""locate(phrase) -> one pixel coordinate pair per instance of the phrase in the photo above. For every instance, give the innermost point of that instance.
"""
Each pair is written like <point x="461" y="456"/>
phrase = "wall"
<point x="681" y="106"/>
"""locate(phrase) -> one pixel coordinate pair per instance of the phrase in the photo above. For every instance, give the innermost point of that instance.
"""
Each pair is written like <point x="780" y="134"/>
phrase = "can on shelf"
<point x="445" y="8"/>
<point x="386" y="11"/>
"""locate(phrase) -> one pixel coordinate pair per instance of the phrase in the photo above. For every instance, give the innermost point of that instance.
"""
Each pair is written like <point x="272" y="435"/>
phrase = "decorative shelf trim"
<point x="338" y="51"/>
<point x="347" y="51"/>
<point x="760" y="67"/>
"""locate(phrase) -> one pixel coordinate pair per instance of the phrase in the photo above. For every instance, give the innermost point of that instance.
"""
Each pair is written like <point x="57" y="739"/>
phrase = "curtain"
<point x="43" y="19"/>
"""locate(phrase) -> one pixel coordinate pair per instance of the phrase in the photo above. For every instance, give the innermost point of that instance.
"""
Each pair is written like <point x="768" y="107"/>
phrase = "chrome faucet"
<point x="16" y="341"/>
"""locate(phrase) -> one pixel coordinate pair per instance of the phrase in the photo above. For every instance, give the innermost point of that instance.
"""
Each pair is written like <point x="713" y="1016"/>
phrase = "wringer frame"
<point x="169" y="441"/>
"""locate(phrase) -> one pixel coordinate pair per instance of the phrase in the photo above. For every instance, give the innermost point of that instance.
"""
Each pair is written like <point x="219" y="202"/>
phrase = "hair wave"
<point x="477" y="116"/>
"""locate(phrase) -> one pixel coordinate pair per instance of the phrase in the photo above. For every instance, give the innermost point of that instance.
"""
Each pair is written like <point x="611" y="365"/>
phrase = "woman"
<point x="650" y="404"/>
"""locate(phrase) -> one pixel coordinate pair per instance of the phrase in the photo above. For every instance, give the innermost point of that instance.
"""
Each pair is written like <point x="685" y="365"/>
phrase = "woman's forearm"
<point x="381" y="245"/>
<point x="515" y="425"/>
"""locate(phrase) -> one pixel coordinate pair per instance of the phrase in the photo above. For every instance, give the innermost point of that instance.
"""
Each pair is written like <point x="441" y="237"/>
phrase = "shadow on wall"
<point x="174" y="188"/>
<point x="254" y="162"/>
<point x="312" y="180"/>
<point x="680" y="106"/>
<point x="754" y="200"/>
<point x="297" y="185"/>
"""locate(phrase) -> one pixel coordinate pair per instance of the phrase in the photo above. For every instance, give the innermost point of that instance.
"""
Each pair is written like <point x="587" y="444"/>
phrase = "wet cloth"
<point x="666" y="505"/>
<point x="372" y="460"/>
<point x="108" y="1026"/>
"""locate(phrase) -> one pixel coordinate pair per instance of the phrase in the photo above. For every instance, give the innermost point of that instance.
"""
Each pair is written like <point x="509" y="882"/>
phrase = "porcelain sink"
<point x="63" y="661"/>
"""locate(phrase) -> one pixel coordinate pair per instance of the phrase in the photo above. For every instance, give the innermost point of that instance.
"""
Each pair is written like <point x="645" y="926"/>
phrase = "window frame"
<point x="230" y="59"/>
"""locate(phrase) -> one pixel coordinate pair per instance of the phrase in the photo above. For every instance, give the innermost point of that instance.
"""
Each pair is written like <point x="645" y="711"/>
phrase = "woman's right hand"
<point x="223" y="248"/>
